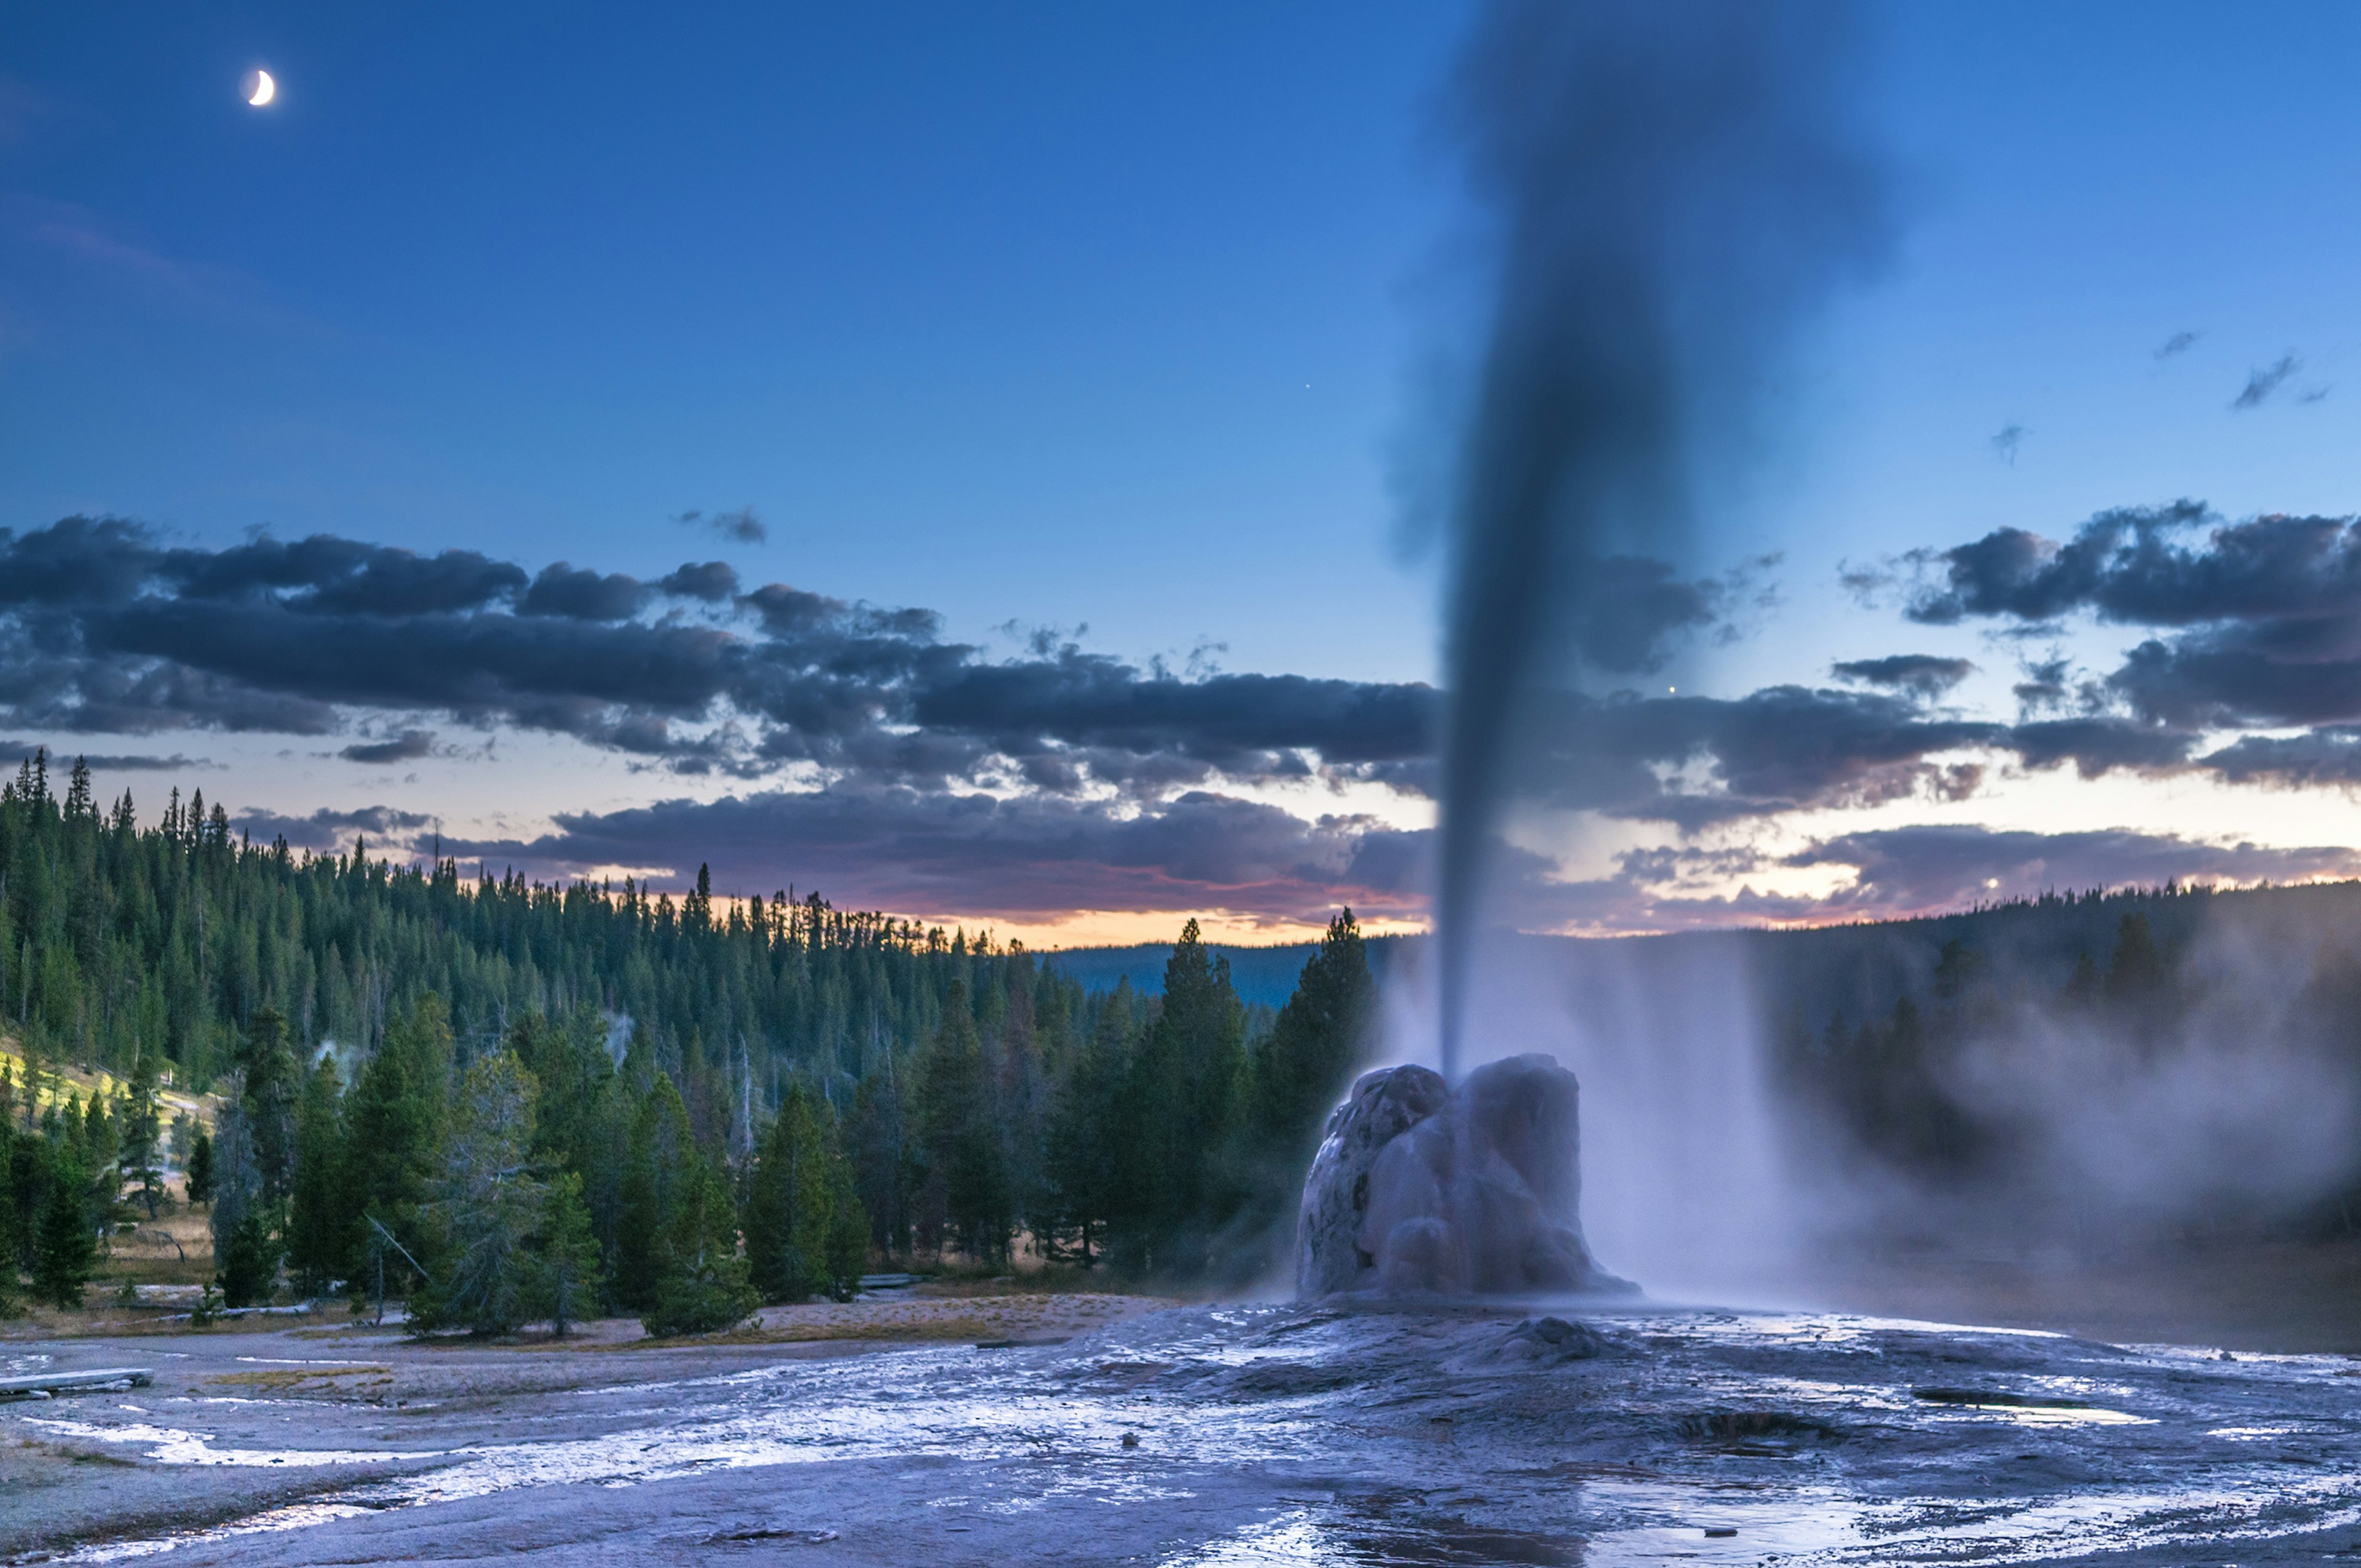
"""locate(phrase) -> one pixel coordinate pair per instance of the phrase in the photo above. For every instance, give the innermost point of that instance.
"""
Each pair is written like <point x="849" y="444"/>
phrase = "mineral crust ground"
<point x="1430" y="1432"/>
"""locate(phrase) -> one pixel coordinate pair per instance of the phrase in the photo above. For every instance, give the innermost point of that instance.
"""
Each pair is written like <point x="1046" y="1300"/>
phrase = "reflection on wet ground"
<point x="1292" y="1435"/>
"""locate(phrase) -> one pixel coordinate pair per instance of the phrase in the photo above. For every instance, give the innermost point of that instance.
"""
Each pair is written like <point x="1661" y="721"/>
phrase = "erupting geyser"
<point x="1420" y="1188"/>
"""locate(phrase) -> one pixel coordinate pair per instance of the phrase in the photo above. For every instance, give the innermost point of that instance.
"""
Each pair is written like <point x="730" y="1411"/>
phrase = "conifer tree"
<point x="489" y="1205"/>
<point x="701" y="1284"/>
<point x="1317" y="1041"/>
<point x="846" y="1248"/>
<point x="78" y="803"/>
<point x="1083" y="1163"/>
<point x="395" y="1121"/>
<point x="267" y="1085"/>
<point x="11" y="1226"/>
<point x="1179" y="1123"/>
<point x="67" y="1245"/>
<point x="142" y="1135"/>
<point x="882" y="1171"/>
<point x="247" y="1245"/>
<point x="969" y="1197"/>
<point x="101" y="1148"/>
<point x="566" y="1279"/>
<point x="199" y="1174"/>
<point x="801" y="1206"/>
<point x="320" y="1246"/>
<point x="659" y="1148"/>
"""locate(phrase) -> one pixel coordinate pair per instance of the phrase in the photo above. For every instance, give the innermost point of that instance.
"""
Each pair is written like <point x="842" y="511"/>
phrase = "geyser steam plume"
<point x="1669" y="188"/>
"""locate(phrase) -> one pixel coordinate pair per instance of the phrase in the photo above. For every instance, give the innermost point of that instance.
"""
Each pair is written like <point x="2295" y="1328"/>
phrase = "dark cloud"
<point x="2099" y="745"/>
<point x="1903" y="871"/>
<point x="741" y="527"/>
<point x="2227" y="682"/>
<point x="103" y="628"/>
<point x="323" y="830"/>
<point x="712" y="581"/>
<point x="562" y="590"/>
<point x="2006" y="443"/>
<point x="78" y="560"/>
<point x="2179" y="342"/>
<point x="2262" y="617"/>
<point x="405" y="746"/>
<point x="1232" y="721"/>
<point x="81" y="562"/>
<point x="2043" y="688"/>
<point x="1924" y="674"/>
<point x="2328" y="757"/>
<point x="2111" y="565"/>
<point x="133" y="637"/>
<point x="107" y="762"/>
<point x="927" y="852"/>
<point x="1695" y="761"/>
<point x="2264" y="381"/>
<point x="1867" y="585"/>
<point x="1059" y="778"/>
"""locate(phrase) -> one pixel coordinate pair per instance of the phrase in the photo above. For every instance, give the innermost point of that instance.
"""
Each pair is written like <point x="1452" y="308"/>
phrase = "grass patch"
<point x="290" y="1379"/>
<point x="923" y="1330"/>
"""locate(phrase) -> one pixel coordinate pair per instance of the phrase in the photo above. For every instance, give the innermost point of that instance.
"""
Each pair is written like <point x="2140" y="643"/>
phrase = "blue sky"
<point x="1039" y="317"/>
<point x="1024" y="313"/>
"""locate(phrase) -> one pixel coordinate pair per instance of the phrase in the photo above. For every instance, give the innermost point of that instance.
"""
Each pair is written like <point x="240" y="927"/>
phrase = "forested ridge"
<point x="519" y="1102"/>
<point x="508" y="1101"/>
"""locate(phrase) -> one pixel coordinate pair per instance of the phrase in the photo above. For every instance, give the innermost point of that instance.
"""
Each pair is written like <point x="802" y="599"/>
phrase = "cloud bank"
<point x="865" y="753"/>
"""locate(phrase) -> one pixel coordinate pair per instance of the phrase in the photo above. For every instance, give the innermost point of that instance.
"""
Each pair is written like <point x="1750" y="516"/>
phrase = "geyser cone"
<point x="1418" y="1188"/>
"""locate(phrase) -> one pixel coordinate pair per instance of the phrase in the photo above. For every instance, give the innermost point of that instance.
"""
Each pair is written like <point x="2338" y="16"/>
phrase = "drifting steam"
<point x="1669" y="189"/>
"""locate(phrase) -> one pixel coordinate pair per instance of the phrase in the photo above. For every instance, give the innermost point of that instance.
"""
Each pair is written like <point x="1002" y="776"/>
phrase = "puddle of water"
<point x="2039" y="1416"/>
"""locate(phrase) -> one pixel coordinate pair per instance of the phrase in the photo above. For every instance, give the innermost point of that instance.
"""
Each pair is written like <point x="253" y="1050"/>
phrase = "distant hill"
<point x="1859" y="970"/>
<point x="1264" y="975"/>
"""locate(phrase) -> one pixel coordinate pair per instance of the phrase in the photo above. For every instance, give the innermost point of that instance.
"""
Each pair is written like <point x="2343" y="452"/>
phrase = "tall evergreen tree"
<point x="1085" y="1164"/>
<point x="568" y="1257"/>
<point x="12" y="1237"/>
<point x="267" y="1085"/>
<point x="489" y="1205"/>
<point x="883" y="1171"/>
<point x="247" y="1245"/>
<point x="198" y="1179"/>
<point x="67" y="1254"/>
<point x="321" y="1243"/>
<point x="801" y="1206"/>
<point x="1304" y="1066"/>
<point x="1179" y="1119"/>
<point x="701" y="1284"/>
<point x="394" y="1124"/>
<point x="969" y="1201"/>
<point x="664" y="1164"/>
<point x="141" y="1159"/>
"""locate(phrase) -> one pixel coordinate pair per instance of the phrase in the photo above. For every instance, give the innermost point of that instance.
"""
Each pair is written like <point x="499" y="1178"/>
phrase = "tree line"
<point x="1912" y="1088"/>
<point x="509" y="1103"/>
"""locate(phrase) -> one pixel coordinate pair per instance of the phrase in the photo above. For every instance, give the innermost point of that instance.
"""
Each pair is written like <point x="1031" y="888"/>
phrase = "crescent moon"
<point x="263" y="89"/>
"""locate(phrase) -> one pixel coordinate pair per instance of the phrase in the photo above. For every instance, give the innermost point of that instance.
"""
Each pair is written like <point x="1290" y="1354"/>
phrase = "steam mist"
<point x="1668" y="190"/>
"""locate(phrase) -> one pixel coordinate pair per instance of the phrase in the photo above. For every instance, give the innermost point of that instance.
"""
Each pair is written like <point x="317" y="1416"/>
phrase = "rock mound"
<point x="1472" y="1191"/>
<point x="1417" y="1187"/>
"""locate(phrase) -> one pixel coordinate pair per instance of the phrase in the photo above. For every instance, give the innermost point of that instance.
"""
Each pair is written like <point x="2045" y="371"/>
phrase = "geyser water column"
<point x="1666" y="188"/>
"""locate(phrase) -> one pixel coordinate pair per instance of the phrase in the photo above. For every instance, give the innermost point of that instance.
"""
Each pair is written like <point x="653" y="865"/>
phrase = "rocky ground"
<point x="930" y="1430"/>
